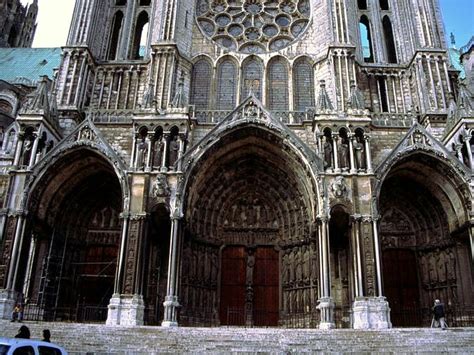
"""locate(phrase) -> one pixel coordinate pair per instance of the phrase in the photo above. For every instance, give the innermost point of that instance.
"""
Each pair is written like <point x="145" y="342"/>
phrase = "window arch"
<point x="227" y="77"/>
<point x="115" y="35"/>
<point x="366" y="39"/>
<point x="389" y="40"/>
<point x="252" y="77"/>
<point x="277" y="89"/>
<point x="362" y="4"/>
<point x="12" y="37"/>
<point x="384" y="5"/>
<point x="6" y="107"/>
<point x="141" y="34"/>
<point x="201" y="84"/>
<point x="303" y="85"/>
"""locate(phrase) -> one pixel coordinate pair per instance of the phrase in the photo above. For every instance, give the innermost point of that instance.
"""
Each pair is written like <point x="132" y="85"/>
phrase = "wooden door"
<point x="233" y="271"/>
<point x="265" y="286"/>
<point x="401" y="287"/>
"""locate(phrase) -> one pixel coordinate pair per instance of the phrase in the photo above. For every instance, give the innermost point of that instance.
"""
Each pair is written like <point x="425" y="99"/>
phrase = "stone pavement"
<point x="99" y="339"/>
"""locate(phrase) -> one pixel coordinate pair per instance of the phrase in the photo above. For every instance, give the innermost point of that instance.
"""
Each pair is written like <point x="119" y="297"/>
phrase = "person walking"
<point x="438" y="315"/>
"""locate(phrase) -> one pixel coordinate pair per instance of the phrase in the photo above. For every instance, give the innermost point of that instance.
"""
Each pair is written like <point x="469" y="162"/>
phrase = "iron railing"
<point x="78" y="314"/>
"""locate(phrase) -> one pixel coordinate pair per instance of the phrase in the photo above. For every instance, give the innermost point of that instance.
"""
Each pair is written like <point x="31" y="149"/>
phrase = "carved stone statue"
<point x="441" y="266"/>
<point x="27" y="151"/>
<point x="339" y="187"/>
<point x="306" y="264"/>
<point x="173" y="151"/>
<point x="158" y="153"/>
<point x="160" y="187"/>
<point x="432" y="269"/>
<point x="142" y="150"/>
<point x="359" y="153"/>
<point x="451" y="266"/>
<point x="250" y="267"/>
<point x="327" y="148"/>
<point x="344" y="155"/>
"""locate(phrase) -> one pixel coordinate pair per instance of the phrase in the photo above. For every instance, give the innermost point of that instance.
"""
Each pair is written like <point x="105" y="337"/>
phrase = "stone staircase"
<point x="99" y="339"/>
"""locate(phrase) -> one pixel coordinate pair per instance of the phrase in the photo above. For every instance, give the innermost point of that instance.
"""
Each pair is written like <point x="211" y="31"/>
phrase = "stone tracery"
<point x="253" y="26"/>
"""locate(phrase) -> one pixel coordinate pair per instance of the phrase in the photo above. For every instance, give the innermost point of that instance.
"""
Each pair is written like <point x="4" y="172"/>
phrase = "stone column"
<point x="171" y="300"/>
<point x="149" y="139"/>
<point x="367" y="154"/>
<point x="19" y="148"/>
<point x="469" y="151"/>
<point x="34" y="150"/>
<point x="372" y="310"/>
<point x="182" y="140"/>
<point x="126" y="307"/>
<point x="359" y="288"/>
<point x="326" y="304"/>
<point x="335" y="138"/>
<point x="353" y="168"/>
<point x="164" y="167"/>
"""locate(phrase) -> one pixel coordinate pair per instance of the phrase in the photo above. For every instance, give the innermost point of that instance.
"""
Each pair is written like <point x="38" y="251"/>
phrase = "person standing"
<point x="438" y="315"/>
<point x="23" y="332"/>
<point x="46" y="335"/>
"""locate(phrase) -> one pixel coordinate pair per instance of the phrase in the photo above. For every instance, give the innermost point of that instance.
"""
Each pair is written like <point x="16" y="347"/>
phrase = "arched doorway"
<point x="74" y="227"/>
<point x="425" y="243"/>
<point x="249" y="255"/>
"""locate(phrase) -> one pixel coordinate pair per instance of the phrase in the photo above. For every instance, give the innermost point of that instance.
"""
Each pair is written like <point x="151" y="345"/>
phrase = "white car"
<point x="15" y="346"/>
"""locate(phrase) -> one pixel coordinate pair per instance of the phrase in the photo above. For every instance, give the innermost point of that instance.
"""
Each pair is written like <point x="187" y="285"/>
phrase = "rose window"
<point x="253" y="26"/>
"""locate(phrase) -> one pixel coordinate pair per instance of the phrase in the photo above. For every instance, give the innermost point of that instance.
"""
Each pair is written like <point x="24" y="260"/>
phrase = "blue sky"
<point x="459" y="18"/>
<point x="53" y="29"/>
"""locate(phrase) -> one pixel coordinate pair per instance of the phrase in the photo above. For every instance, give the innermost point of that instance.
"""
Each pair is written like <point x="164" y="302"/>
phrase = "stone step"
<point x="99" y="339"/>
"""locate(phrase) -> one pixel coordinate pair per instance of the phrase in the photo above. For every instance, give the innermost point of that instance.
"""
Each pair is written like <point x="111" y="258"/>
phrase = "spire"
<point x="356" y="98"/>
<point x="178" y="100"/>
<point x="453" y="40"/>
<point x="324" y="102"/>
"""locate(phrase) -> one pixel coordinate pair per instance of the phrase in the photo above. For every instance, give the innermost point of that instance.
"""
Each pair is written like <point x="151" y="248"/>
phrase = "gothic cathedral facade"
<point x="243" y="162"/>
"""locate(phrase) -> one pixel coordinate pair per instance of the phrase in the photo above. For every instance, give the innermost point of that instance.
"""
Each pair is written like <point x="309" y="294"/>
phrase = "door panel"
<point x="232" y="302"/>
<point x="401" y="287"/>
<point x="266" y="285"/>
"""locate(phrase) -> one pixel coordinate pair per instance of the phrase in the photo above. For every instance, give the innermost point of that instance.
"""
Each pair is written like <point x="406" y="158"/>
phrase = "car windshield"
<point x="4" y="349"/>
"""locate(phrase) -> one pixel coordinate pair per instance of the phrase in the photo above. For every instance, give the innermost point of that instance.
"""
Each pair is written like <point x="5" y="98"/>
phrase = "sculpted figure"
<point x="441" y="266"/>
<point x="299" y="266"/>
<point x="344" y="155"/>
<point x="173" y="151"/>
<point x="27" y="151"/>
<point x="432" y="269"/>
<point x="250" y="266"/>
<point x="158" y="154"/>
<point x="359" y="153"/>
<point x="142" y="149"/>
<point x="327" y="147"/>
<point x="451" y="265"/>
<point x="306" y="264"/>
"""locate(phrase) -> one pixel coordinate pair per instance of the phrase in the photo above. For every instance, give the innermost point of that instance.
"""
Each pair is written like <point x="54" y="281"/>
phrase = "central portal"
<point x="249" y="286"/>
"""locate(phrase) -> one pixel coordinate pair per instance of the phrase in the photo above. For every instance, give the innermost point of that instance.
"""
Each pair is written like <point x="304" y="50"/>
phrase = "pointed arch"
<point x="366" y="39"/>
<point x="141" y="34"/>
<point x="227" y="79"/>
<point x="277" y="84"/>
<point x="389" y="40"/>
<point x="115" y="35"/>
<point x="303" y="84"/>
<point x="252" y="78"/>
<point x="201" y="78"/>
